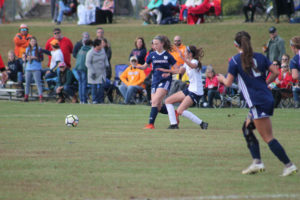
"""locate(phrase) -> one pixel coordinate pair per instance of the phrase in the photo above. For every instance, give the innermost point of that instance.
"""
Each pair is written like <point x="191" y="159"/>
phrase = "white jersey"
<point x="195" y="78"/>
<point x="56" y="55"/>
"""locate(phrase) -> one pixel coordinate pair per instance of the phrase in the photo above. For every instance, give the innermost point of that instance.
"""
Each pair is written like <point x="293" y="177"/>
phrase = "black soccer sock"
<point x="153" y="115"/>
<point x="278" y="150"/>
<point x="163" y="109"/>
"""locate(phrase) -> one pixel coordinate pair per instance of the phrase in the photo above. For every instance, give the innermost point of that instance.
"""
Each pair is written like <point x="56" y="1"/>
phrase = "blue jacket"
<point x="35" y="64"/>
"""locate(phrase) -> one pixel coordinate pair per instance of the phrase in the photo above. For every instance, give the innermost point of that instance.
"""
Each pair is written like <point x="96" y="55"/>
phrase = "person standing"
<point x="21" y="40"/>
<point x="140" y="50"/>
<point x="96" y="63"/>
<point x="281" y="7"/>
<point x="82" y="71"/>
<point x="295" y="67"/>
<point x="192" y="94"/>
<point x="161" y="82"/>
<point x="250" y="69"/>
<point x="65" y="44"/>
<point x="34" y="58"/>
<point x="80" y="43"/>
<point x="275" y="47"/>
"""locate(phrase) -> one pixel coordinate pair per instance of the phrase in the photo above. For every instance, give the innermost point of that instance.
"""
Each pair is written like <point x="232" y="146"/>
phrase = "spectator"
<point x="82" y="71"/>
<point x="282" y="7"/>
<point x="90" y="11"/>
<point x="274" y="86"/>
<point x="34" y="58"/>
<point x="211" y="85"/>
<point x="148" y="13"/>
<point x="164" y="13"/>
<point x="15" y="70"/>
<point x="65" y="44"/>
<point x="100" y="36"/>
<point x="285" y="59"/>
<point x="132" y="79"/>
<point x="3" y="72"/>
<point x="21" y="40"/>
<point x="56" y="58"/>
<point x="275" y="46"/>
<point x="96" y="63"/>
<point x="80" y="43"/>
<point x="66" y="84"/>
<point x="140" y="50"/>
<point x="184" y="8"/>
<point x="108" y="87"/>
<point x="65" y="7"/>
<point x="180" y="82"/>
<point x="249" y="5"/>
<point x="148" y="72"/>
<point x="295" y="67"/>
<point x="54" y="8"/>
<point x="105" y="14"/>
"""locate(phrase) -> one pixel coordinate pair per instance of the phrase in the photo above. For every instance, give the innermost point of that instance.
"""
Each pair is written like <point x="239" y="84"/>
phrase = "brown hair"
<point x="166" y="42"/>
<point x="196" y="54"/>
<point x="143" y="41"/>
<point x="295" y="42"/>
<point x="36" y="48"/>
<point x="242" y="39"/>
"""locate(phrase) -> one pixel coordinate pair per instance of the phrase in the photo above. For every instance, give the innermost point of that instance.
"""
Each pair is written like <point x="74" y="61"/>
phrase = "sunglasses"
<point x="275" y="64"/>
<point x="56" y="33"/>
<point x="24" y="29"/>
<point x="284" y="59"/>
<point x="177" y="40"/>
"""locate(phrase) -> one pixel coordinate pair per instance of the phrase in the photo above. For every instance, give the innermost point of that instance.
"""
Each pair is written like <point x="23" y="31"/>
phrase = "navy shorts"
<point x="261" y="111"/>
<point x="196" y="98"/>
<point x="164" y="84"/>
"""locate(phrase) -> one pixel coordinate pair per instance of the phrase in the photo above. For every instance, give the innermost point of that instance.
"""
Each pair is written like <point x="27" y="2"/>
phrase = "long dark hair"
<point x="36" y="53"/>
<point x="242" y="39"/>
<point x="143" y="41"/>
<point x="166" y="42"/>
<point x="197" y="53"/>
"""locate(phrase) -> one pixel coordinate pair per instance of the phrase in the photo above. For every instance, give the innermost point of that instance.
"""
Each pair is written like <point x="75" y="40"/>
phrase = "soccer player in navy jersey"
<point x="192" y="94"/>
<point x="295" y="67"/>
<point x="161" y="82"/>
<point x="250" y="70"/>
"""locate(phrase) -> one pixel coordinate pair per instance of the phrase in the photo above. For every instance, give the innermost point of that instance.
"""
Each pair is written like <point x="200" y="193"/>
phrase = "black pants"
<point x="252" y="10"/>
<point x="103" y="16"/>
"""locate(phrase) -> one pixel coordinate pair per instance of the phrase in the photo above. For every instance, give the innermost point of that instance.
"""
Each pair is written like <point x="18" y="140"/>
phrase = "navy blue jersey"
<point x="162" y="60"/>
<point x="252" y="85"/>
<point x="294" y="63"/>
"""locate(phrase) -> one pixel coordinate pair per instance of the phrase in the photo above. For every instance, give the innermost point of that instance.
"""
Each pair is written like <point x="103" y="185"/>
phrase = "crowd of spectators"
<point x="92" y="72"/>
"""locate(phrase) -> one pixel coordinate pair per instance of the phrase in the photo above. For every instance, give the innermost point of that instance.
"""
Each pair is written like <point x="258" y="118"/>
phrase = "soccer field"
<point x="110" y="156"/>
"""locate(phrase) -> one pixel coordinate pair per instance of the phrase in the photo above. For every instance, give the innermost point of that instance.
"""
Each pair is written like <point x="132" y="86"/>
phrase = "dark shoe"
<point x="204" y="125"/>
<point x="60" y="100"/>
<point x="58" y="23"/>
<point x="173" y="126"/>
<point x="25" y="98"/>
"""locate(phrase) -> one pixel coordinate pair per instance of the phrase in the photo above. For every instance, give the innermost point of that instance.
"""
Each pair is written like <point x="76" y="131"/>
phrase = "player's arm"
<point x="295" y="74"/>
<point x="143" y="67"/>
<point x="273" y="74"/>
<point x="227" y="81"/>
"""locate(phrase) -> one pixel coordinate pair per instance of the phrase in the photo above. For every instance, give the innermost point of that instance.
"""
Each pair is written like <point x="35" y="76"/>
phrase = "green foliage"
<point x="231" y="7"/>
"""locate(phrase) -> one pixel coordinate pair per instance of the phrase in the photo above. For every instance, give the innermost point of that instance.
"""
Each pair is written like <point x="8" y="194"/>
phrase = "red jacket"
<point x="285" y="81"/>
<point x="66" y="47"/>
<point x="2" y="66"/>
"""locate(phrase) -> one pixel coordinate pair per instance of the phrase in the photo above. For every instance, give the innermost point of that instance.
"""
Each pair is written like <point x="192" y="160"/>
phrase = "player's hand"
<point x="221" y="78"/>
<point x="165" y="75"/>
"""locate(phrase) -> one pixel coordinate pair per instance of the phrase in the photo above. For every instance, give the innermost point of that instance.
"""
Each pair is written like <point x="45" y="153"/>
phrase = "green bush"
<point x="232" y="7"/>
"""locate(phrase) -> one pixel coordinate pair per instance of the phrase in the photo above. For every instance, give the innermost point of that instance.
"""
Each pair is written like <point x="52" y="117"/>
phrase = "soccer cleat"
<point x="149" y="126"/>
<point x="287" y="171"/>
<point x="173" y="126"/>
<point x="254" y="168"/>
<point x="177" y="117"/>
<point x="204" y="125"/>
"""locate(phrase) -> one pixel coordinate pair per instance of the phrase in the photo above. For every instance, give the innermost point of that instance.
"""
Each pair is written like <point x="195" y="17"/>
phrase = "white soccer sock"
<point x="191" y="117"/>
<point x="171" y="114"/>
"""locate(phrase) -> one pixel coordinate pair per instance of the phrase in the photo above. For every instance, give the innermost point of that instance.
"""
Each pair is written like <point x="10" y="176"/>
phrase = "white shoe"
<point x="254" y="168"/>
<point x="289" y="170"/>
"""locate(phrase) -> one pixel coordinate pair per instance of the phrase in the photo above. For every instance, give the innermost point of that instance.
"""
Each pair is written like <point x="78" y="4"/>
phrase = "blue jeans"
<point x="82" y="82"/>
<point x="68" y="90"/>
<point x="36" y="74"/>
<point x="62" y="9"/>
<point x="128" y="92"/>
<point x="97" y="93"/>
<point x="296" y="93"/>
<point x="210" y="95"/>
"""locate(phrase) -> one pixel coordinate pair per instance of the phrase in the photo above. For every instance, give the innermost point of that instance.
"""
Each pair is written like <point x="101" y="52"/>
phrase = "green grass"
<point x="110" y="156"/>
<point x="215" y="38"/>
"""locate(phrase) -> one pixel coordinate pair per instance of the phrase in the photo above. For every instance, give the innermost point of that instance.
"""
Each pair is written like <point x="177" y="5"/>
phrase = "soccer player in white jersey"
<point x="250" y="70"/>
<point x="192" y="94"/>
<point x="161" y="82"/>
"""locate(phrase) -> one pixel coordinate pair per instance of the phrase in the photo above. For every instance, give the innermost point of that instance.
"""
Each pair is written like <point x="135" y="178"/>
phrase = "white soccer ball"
<point x="72" y="120"/>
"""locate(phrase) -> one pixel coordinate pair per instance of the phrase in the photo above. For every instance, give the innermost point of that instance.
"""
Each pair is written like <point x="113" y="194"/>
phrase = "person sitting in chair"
<point x="132" y="79"/>
<point x="65" y="86"/>
<point x="65" y="7"/>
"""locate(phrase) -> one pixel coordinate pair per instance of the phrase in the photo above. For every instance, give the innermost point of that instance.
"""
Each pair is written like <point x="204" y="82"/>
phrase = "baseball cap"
<point x="272" y="29"/>
<point x="54" y="42"/>
<point x="133" y="58"/>
<point x="23" y="26"/>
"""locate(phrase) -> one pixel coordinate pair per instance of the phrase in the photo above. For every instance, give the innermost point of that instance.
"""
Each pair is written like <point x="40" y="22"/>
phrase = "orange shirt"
<point x="176" y="55"/>
<point x="133" y="76"/>
<point x="21" y="43"/>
